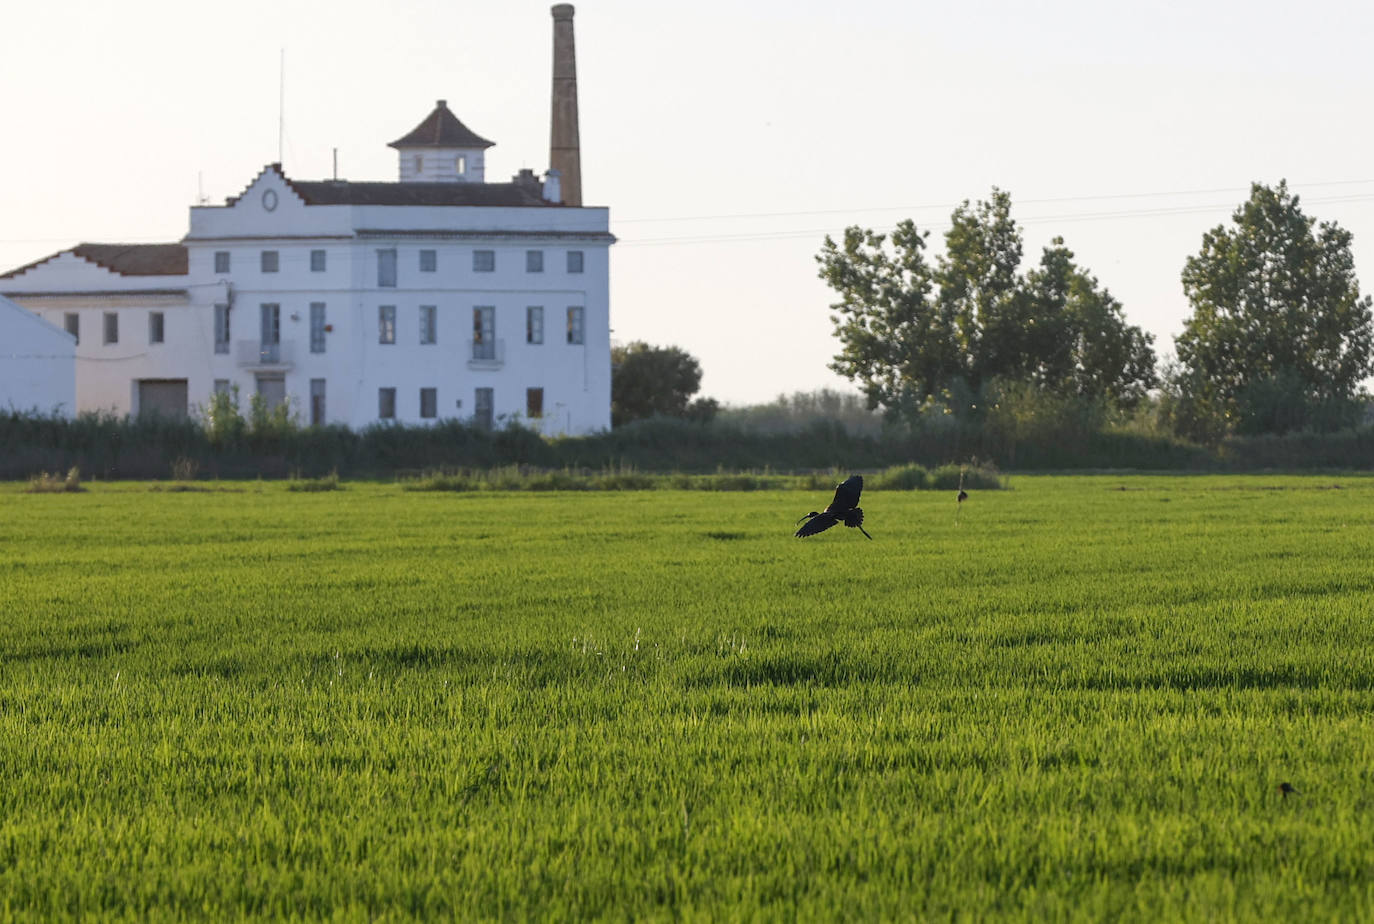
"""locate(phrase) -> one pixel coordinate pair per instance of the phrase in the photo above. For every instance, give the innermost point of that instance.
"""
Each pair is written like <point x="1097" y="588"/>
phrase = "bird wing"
<point x="819" y="523"/>
<point x="847" y="494"/>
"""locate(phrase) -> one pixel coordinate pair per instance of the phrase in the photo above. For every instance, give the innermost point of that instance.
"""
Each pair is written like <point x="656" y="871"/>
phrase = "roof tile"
<point x="124" y="259"/>
<point x="441" y="129"/>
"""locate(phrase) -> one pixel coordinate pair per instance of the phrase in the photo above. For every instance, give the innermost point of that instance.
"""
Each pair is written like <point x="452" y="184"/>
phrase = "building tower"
<point x="442" y="149"/>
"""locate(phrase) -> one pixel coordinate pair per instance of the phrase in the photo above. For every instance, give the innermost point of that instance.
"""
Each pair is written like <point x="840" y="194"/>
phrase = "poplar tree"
<point x="1278" y="323"/>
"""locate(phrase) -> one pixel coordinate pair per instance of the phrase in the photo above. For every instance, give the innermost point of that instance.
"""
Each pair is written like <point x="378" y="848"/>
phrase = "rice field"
<point x="1076" y="699"/>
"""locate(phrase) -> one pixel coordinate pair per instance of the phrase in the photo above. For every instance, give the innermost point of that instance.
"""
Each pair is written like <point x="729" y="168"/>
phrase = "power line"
<point x="797" y="233"/>
<point x="1165" y="211"/>
<point x="951" y="205"/>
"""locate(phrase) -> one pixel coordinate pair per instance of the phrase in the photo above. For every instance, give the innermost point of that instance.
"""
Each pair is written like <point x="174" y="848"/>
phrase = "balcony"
<point x="487" y="354"/>
<point x="255" y="354"/>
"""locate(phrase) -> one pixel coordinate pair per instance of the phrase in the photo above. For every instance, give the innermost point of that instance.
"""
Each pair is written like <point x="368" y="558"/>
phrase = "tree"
<point x="913" y="333"/>
<point x="1277" y="317"/>
<point x="648" y="380"/>
<point x="981" y="291"/>
<point x="900" y="346"/>
<point x="1087" y="348"/>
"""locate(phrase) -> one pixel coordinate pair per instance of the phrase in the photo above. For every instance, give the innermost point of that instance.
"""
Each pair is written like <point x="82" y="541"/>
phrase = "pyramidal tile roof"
<point x="441" y="129"/>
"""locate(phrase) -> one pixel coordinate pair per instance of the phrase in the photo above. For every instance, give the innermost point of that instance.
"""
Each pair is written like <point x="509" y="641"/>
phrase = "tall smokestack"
<point x="565" y="152"/>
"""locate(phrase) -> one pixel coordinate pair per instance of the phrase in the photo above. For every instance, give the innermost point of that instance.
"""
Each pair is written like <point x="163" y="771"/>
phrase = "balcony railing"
<point x="261" y="355"/>
<point x="488" y="353"/>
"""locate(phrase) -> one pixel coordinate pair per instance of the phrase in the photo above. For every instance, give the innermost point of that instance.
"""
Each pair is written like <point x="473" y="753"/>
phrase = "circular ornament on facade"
<point x="269" y="199"/>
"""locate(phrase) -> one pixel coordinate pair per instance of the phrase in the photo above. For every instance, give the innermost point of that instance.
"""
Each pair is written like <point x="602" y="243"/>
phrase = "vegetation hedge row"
<point x="105" y="447"/>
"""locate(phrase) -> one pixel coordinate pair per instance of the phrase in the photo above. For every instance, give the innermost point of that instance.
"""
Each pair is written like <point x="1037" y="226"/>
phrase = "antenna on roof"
<point x="281" y="108"/>
<point x="200" y="188"/>
<point x="336" y="165"/>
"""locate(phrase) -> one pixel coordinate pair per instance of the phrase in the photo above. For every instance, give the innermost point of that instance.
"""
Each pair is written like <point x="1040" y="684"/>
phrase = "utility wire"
<point x="790" y="234"/>
<point x="920" y="208"/>
<point x="1164" y="211"/>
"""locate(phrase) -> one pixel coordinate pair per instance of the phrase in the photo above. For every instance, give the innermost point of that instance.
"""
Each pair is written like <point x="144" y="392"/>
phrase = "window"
<point x="72" y="322"/>
<point x="574" y="261"/>
<point x="534" y="324"/>
<point x="317" y="261"/>
<point x="271" y="260"/>
<point x="386" y="269"/>
<point x="221" y="261"/>
<point x="269" y="348"/>
<point x="111" y="327"/>
<point x="317" y="325"/>
<point x="221" y="328"/>
<point x="419" y="163"/>
<point x="317" y="402"/>
<point x="271" y="391"/>
<point x="386" y="324"/>
<point x="429" y="261"/>
<point x="222" y="387"/>
<point x="155" y="327"/>
<point x="429" y="402"/>
<point x="484" y="332"/>
<point x="534" y="261"/>
<point x="386" y="403"/>
<point x="534" y="402"/>
<point x="482" y="414"/>
<point x="576" y="334"/>
<point x="429" y="328"/>
<point x="460" y="164"/>
<point x="483" y="261"/>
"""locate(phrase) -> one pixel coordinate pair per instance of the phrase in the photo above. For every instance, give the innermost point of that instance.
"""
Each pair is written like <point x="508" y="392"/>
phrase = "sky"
<point x="727" y="137"/>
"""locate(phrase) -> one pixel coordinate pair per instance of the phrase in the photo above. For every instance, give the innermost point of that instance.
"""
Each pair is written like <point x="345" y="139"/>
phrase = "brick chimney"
<point x="565" y="153"/>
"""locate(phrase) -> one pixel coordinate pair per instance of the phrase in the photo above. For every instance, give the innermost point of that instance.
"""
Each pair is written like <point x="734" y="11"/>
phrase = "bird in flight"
<point x="843" y="509"/>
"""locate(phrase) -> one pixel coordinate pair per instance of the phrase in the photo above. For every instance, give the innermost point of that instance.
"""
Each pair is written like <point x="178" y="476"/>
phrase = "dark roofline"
<point x="137" y="259"/>
<point x="520" y="193"/>
<point x="441" y="129"/>
<point x="403" y="193"/>
<point x="21" y="270"/>
<point x="122" y="259"/>
<point x="97" y="293"/>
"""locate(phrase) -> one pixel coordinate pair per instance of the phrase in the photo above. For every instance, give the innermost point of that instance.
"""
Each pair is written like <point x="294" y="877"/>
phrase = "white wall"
<point x="37" y="363"/>
<point x="354" y="365"/>
<point x="440" y="165"/>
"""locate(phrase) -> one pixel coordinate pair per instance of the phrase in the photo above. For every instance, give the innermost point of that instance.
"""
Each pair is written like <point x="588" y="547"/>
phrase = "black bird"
<point x="843" y="509"/>
<point x="961" y="496"/>
<point x="1287" y="790"/>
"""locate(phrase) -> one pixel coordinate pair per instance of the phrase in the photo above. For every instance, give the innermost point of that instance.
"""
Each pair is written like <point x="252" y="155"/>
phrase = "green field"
<point x="1075" y="701"/>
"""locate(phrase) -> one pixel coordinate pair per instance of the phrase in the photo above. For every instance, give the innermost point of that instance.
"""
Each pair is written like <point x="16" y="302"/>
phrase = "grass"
<point x="1075" y="701"/>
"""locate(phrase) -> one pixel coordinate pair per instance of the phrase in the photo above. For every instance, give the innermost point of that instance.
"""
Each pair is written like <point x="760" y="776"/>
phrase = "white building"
<point x="37" y="363"/>
<point x="436" y="296"/>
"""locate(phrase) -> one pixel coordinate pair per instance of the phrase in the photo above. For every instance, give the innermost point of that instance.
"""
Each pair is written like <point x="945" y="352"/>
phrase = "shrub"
<point x="223" y="424"/>
<point x="974" y="477"/>
<point x="185" y="468"/>
<point x="43" y="483"/>
<point x="909" y="477"/>
<point x="329" y="482"/>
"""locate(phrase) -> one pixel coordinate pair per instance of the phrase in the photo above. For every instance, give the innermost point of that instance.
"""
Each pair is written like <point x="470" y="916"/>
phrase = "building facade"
<point x="37" y="364"/>
<point x="437" y="296"/>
